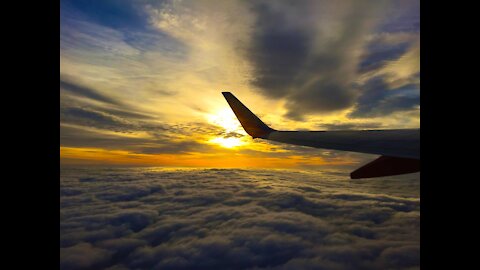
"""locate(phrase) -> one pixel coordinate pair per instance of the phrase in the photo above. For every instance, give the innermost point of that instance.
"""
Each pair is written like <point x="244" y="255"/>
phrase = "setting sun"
<point x="228" y="142"/>
<point x="227" y="120"/>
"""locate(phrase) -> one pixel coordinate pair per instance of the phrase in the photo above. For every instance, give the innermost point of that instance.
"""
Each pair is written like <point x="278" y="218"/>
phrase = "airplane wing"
<point x="399" y="149"/>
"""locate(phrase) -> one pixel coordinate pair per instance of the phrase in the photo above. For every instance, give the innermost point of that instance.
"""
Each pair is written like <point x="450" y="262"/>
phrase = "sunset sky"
<point x="141" y="81"/>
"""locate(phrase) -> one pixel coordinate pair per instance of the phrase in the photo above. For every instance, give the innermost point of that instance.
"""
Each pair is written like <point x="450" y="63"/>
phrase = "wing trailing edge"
<point x="387" y="166"/>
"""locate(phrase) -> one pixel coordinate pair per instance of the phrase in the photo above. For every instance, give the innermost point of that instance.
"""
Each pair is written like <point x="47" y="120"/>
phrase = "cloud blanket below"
<point x="151" y="218"/>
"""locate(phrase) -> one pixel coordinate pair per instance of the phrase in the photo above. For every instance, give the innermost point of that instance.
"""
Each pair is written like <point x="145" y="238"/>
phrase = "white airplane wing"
<point x="399" y="149"/>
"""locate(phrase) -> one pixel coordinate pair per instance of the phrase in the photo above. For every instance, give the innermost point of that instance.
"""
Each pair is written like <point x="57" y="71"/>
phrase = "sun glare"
<point x="227" y="142"/>
<point x="226" y="119"/>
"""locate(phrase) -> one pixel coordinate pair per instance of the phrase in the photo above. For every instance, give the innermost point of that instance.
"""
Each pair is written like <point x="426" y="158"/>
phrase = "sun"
<point x="230" y="142"/>
<point x="225" y="119"/>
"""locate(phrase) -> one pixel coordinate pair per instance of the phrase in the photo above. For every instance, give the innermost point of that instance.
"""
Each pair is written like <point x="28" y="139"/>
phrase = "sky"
<point x="141" y="81"/>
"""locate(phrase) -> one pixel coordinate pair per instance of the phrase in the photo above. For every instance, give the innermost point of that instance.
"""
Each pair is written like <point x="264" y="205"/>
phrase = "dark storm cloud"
<point x="236" y="219"/>
<point x="378" y="99"/>
<point x="298" y="59"/>
<point x="289" y="64"/>
<point x="278" y="52"/>
<point x="379" y="54"/>
<point x="350" y="126"/>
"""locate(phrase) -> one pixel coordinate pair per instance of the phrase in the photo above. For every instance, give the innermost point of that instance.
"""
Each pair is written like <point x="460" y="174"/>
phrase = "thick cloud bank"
<point x="317" y="55"/>
<point x="236" y="219"/>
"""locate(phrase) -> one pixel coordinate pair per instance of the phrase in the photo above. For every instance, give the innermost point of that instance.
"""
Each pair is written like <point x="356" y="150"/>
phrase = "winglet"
<point x="250" y="122"/>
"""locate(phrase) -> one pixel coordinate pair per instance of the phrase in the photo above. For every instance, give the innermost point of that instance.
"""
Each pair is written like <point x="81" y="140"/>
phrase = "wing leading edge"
<point x="399" y="148"/>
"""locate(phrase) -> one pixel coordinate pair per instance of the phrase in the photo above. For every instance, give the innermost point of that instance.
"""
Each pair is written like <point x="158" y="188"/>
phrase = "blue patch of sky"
<point x="126" y="17"/>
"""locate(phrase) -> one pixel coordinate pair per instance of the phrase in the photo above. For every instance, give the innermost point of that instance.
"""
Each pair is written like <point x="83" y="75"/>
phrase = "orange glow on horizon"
<point x="72" y="155"/>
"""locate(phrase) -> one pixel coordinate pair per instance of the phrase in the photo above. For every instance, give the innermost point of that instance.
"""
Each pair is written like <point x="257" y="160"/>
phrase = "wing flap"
<point x="387" y="166"/>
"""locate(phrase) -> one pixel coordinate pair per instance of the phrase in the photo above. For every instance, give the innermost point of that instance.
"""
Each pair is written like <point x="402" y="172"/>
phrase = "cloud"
<point x="278" y="51"/>
<point x="82" y="256"/>
<point x="115" y="126"/>
<point x="135" y="138"/>
<point x="403" y="17"/>
<point x="145" y="77"/>
<point x="311" y="64"/>
<point x="350" y="126"/>
<point x="319" y="66"/>
<point x="86" y="92"/>
<point x="236" y="219"/>
<point x="379" y="54"/>
<point x="86" y="124"/>
<point x="91" y="117"/>
<point x="378" y="99"/>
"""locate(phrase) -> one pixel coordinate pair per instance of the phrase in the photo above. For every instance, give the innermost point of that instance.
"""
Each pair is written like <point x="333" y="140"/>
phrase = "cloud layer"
<point x="236" y="219"/>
